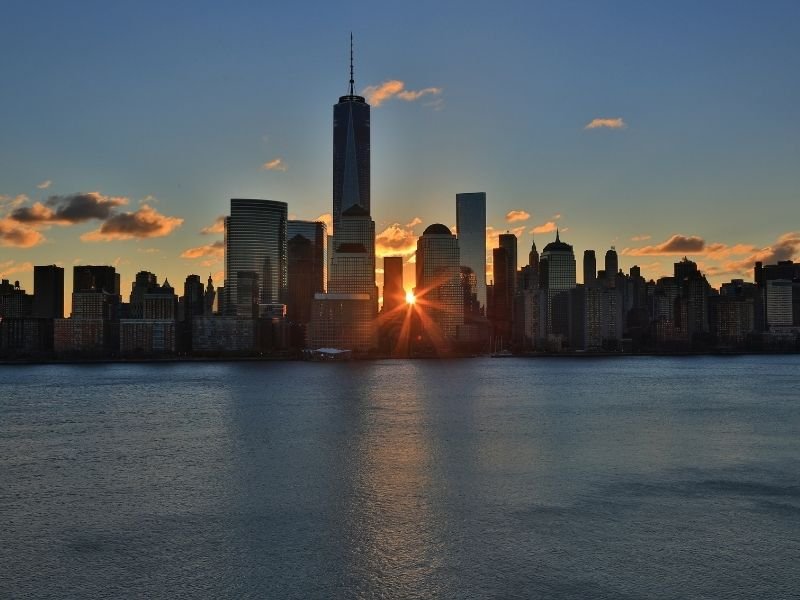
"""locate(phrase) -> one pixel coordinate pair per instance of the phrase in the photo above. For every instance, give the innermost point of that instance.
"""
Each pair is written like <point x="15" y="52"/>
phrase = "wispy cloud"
<point x="513" y="216"/>
<point x="677" y="244"/>
<point x="414" y="222"/>
<point x="641" y="238"/>
<point x="145" y="222"/>
<point x="218" y="226"/>
<point x="276" y="164"/>
<point x="44" y="185"/>
<point x="548" y="227"/>
<point x="9" y="267"/>
<point x="616" y="123"/>
<point x="394" y="88"/>
<point x="214" y="250"/>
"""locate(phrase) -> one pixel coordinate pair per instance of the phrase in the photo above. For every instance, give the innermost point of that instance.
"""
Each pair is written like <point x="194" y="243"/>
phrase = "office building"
<point x="255" y="242"/>
<point x="48" y="292"/>
<point x="557" y="276"/>
<point x="471" y="233"/>
<point x="394" y="294"/>
<point x="438" y="291"/>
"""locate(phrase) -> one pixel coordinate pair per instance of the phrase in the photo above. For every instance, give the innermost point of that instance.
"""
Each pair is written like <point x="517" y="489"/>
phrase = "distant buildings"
<point x="557" y="278"/>
<point x="471" y="232"/>
<point x="439" y="289"/>
<point x="255" y="245"/>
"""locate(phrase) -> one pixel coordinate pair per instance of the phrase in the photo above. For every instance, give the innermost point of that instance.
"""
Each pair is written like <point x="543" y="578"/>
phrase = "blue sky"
<point x="177" y="106"/>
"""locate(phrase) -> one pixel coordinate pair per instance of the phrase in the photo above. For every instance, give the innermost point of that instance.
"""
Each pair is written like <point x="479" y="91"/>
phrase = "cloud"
<point x="556" y="216"/>
<point x="45" y="184"/>
<point x="276" y="164"/>
<point x="214" y="249"/>
<point x="8" y="203"/>
<point x="17" y="235"/>
<point x="218" y="226"/>
<point x="145" y="222"/>
<point x="414" y="222"/>
<point x="548" y="227"/>
<point x="641" y="238"/>
<point x="69" y="209"/>
<point x="617" y="123"/>
<point x="677" y="244"/>
<point x="517" y="215"/>
<point x="786" y="247"/>
<point x="326" y="218"/>
<point x="10" y="267"/>
<point x="394" y="88"/>
<point x="395" y="240"/>
<point x="493" y="236"/>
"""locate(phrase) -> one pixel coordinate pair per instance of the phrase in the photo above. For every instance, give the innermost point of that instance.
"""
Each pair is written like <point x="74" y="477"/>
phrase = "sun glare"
<point x="410" y="299"/>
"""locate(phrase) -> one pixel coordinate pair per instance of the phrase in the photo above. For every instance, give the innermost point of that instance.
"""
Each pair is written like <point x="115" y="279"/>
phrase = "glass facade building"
<point x="439" y="289"/>
<point x="255" y="241"/>
<point x="351" y="168"/>
<point x="557" y="276"/>
<point x="471" y="231"/>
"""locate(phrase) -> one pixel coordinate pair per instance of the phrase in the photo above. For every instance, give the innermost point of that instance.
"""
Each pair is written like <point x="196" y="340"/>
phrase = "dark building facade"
<point x="48" y="292"/>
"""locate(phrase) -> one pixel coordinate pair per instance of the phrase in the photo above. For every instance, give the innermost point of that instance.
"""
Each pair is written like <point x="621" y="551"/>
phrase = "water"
<point x="484" y="478"/>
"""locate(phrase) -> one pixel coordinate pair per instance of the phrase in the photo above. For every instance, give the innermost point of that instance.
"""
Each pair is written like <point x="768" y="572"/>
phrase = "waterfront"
<point x="586" y="478"/>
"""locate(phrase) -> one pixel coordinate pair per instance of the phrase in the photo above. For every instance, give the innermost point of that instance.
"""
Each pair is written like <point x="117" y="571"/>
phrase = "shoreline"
<point x="528" y="355"/>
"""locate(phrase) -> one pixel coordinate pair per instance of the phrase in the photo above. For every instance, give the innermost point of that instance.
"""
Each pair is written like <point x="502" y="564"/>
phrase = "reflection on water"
<point x="623" y="478"/>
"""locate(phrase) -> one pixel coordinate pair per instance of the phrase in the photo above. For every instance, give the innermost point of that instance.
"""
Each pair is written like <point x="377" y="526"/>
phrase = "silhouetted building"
<point x="255" y="242"/>
<point x="48" y="292"/>
<point x="14" y="302"/>
<point x="95" y="278"/>
<point x="611" y="265"/>
<point x="143" y="283"/>
<point x="508" y="241"/>
<point x="351" y="152"/>
<point x="147" y="337"/>
<point x="394" y="294"/>
<point x="557" y="276"/>
<point x="589" y="268"/>
<point x="471" y="233"/>
<point x="501" y="299"/>
<point x="438" y="286"/>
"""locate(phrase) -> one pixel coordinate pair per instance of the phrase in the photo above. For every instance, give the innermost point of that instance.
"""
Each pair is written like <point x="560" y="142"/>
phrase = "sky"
<point x="663" y="129"/>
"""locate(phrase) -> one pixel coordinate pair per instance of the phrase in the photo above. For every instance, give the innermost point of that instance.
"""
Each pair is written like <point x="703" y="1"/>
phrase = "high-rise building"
<point x="316" y="232"/>
<point x="589" y="268"/>
<point x="394" y="294"/>
<point x="94" y="278"/>
<point x="612" y="264"/>
<point x="557" y="276"/>
<point x="255" y="241"/>
<point x="48" y="292"/>
<point x="438" y="288"/>
<point x="351" y="286"/>
<point x="351" y="138"/>
<point x="142" y="283"/>
<point x="471" y="232"/>
<point x="509" y="242"/>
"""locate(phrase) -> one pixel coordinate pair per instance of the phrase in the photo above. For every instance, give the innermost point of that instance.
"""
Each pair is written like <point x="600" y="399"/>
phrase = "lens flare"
<point x="410" y="299"/>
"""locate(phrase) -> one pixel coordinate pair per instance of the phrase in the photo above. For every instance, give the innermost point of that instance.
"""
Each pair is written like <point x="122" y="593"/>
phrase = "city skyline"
<point x="144" y="205"/>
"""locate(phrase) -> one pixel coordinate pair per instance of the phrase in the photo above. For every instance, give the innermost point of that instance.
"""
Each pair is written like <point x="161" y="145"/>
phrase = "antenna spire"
<point x="351" y="64"/>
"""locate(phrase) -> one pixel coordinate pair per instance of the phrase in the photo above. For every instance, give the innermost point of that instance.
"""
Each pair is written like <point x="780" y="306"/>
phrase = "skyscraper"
<point x="393" y="293"/>
<point x="255" y="241"/>
<point x="471" y="232"/>
<point x="48" y="292"/>
<point x="351" y="134"/>
<point x="344" y="317"/>
<point x="589" y="268"/>
<point x="439" y="282"/>
<point x="557" y="276"/>
<point x="509" y="242"/>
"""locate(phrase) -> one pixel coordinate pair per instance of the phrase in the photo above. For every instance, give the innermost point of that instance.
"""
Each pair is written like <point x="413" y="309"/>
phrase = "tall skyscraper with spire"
<point x="345" y="316"/>
<point x="351" y="170"/>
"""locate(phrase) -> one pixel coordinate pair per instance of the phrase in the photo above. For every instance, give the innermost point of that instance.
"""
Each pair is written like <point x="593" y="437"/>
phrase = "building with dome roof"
<point x="438" y="291"/>
<point x="557" y="277"/>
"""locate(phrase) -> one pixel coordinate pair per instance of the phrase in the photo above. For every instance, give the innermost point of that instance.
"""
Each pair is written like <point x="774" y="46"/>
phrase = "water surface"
<point x="514" y="478"/>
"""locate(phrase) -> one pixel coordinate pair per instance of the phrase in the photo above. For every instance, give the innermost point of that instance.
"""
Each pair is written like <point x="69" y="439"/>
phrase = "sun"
<point x="410" y="299"/>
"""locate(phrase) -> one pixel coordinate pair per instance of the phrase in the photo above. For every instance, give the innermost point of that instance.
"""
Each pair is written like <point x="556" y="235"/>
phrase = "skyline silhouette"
<point x="150" y="195"/>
